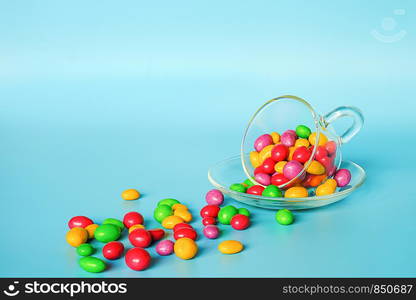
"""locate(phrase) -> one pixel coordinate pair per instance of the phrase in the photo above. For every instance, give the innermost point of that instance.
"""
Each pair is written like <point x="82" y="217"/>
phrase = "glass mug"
<point x="286" y="113"/>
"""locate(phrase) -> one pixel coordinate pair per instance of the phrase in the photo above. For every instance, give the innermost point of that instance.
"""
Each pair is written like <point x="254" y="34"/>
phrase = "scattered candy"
<point x="185" y="248"/>
<point x="161" y="212"/>
<point x="91" y="230"/>
<point x="180" y="226"/>
<point x="113" y="250"/>
<point x="92" y="264"/>
<point x="183" y="214"/>
<point x="209" y="221"/>
<point x="244" y="211"/>
<point x="210" y="211"/>
<point x="272" y="191"/>
<point x="185" y="233"/>
<point x="171" y="221"/>
<point x="79" y="221"/>
<point x="165" y="247"/>
<point x="115" y="222"/>
<point x="211" y="231"/>
<point x="226" y="213"/>
<point x="140" y="238"/>
<point x="215" y="197"/>
<point x="157" y="234"/>
<point x="169" y="202"/>
<point x="284" y="217"/>
<point x="342" y="177"/>
<point x="230" y="247"/>
<point x="130" y="194"/>
<point x="138" y="259"/>
<point x="240" y="222"/>
<point x="296" y="192"/>
<point x="132" y="218"/>
<point x="76" y="236"/>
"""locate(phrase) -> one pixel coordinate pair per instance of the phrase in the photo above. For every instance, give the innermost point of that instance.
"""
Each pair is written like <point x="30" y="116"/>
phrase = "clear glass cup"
<point x="286" y="113"/>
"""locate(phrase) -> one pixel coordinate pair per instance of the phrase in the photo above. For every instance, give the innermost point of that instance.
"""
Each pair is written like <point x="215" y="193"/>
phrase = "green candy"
<point x="169" y="202"/>
<point x="284" y="217"/>
<point x="238" y="187"/>
<point x="226" y="214"/>
<point x="272" y="191"/>
<point x="116" y="222"/>
<point x="244" y="211"/>
<point x="161" y="212"/>
<point x="107" y="233"/>
<point x="92" y="264"/>
<point x="303" y="131"/>
<point x="85" y="249"/>
<point x="249" y="183"/>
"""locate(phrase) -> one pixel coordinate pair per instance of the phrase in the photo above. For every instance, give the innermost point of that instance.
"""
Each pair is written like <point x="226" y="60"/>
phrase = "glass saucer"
<point x="224" y="173"/>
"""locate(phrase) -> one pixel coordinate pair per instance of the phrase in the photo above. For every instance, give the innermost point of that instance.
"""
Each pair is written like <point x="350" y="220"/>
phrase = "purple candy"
<point x="211" y="231"/>
<point x="342" y="177"/>
<point x="292" y="169"/>
<point x="288" y="139"/>
<point x="165" y="247"/>
<point x="263" y="141"/>
<point x="263" y="178"/>
<point x="214" y="197"/>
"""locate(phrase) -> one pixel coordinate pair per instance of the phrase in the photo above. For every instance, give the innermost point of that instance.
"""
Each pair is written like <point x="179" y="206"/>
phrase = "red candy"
<point x="279" y="152"/>
<point x="320" y="153"/>
<point x="268" y="166"/>
<point x="240" y="222"/>
<point x="302" y="154"/>
<point x="185" y="233"/>
<point x="209" y="221"/>
<point x="113" y="250"/>
<point x="140" y="238"/>
<point x="157" y="234"/>
<point x="258" y="170"/>
<point x="255" y="190"/>
<point x="181" y="225"/>
<point x="138" y="259"/>
<point x="132" y="218"/>
<point x="210" y="211"/>
<point x="79" y="221"/>
<point x="331" y="147"/>
<point x="278" y="179"/>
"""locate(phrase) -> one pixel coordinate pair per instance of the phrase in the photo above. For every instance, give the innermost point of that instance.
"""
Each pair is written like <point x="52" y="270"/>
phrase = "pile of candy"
<point x="172" y="215"/>
<point x="279" y="159"/>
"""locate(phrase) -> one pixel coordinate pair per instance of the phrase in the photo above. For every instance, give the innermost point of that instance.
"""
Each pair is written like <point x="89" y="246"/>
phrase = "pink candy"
<point x="263" y="178"/>
<point x="214" y="197"/>
<point x="288" y="139"/>
<point x="211" y="231"/>
<point x="292" y="169"/>
<point x="342" y="177"/>
<point x="263" y="141"/>
<point x="164" y="247"/>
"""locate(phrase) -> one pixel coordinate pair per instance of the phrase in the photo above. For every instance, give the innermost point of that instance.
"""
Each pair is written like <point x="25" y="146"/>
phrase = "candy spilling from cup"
<point x="286" y="166"/>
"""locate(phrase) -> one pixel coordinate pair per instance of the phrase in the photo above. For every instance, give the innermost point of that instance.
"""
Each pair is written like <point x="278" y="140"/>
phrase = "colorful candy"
<point x="130" y="194"/>
<point x="226" y="213"/>
<point x="322" y="139"/>
<point x="185" y="233"/>
<point x="214" y="197"/>
<point x="79" y="221"/>
<point x="157" y="234"/>
<point x="302" y="154"/>
<point x="263" y="178"/>
<point x="230" y="247"/>
<point x="240" y="222"/>
<point x="262" y="141"/>
<point x="184" y="214"/>
<point x="279" y="153"/>
<point x="138" y="259"/>
<point x="132" y="218"/>
<point x="76" y="236"/>
<point x="107" y="233"/>
<point x="135" y="227"/>
<point x="244" y="211"/>
<point x="92" y="264"/>
<point x="315" y="168"/>
<point x="210" y="211"/>
<point x="284" y="217"/>
<point x="115" y="222"/>
<point x="209" y="221"/>
<point x="327" y="188"/>
<point x="342" y="177"/>
<point x="211" y="231"/>
<point x="238" y="187"/>
<point x="171" y="221"/>
<point x="255" y="190"/>
<point x="185" y="248"/>
<point x="85" y="250"/>
<point x="91" y="230"/>
<point x="140" y="238"/>
<point x="292" y="169"/>
<point x="296" y="192"/>
<point x="161" y="212"/>
<point x="272" y="191"/>
<point x="169" y="202"/>
<point x="113" y="250"/>
<point x="165" y="247"/>
<point x="303" y="131"/>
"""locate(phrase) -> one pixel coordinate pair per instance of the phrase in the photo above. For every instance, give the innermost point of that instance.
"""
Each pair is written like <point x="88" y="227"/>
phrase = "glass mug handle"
<point x="346" y="111"/>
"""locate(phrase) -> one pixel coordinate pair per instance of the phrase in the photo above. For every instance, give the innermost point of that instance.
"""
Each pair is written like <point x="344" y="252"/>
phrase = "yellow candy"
<point x="332" y="182"/>
<point x="322" y="139"/>
<point x="302" y="142"/>
<point x="130" y="194"/>
<point x="91" y="230"/>
<point x="137" y="226"/>
<point x="291" y="151"/>
<point x="254" y="159"/>
<point x="296" y="192"/>
<point x="326" y="188"/>
<point x="315" y="168"/>
<point x="184" y="214"/>
<point x="279" y="166"/>
<point x="179" y="206"/>
<point x="171" y="221"/>
<point x="77" y="236"/>
<point x="266" y="152"/>
<point x="276" y="137"/>
<point x="230" y="247"/>
<point x="185" y="248"/>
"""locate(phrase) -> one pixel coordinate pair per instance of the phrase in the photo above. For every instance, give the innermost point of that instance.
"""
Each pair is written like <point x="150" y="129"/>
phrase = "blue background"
<point x="100" y="96"/>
